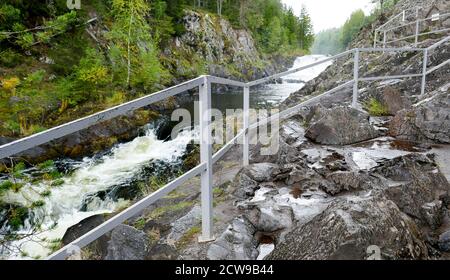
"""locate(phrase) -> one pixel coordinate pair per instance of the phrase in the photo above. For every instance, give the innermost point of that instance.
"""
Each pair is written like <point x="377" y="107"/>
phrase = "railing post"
<point x="424" y="71"/>
<point x="356" y="78"/>
<point x="416" y="38"/>
<point x="375" y="38"/>
<point x="206" y="158"/>
<point x="246" y="117"/>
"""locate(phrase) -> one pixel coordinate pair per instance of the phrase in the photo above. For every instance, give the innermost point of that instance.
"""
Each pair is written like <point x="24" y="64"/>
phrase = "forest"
<point x="335" y="40"/>
<point x="52" y="70"/>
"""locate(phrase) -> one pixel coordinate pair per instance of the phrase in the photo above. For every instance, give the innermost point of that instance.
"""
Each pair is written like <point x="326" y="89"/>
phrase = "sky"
<point x="329" y="13"/>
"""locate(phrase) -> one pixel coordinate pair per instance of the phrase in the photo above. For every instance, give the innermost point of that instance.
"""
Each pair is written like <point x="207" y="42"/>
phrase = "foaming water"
<point x="62" y="209"/>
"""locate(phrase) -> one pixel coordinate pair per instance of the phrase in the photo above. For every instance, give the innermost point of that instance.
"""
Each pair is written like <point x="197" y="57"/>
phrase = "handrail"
<point x="416" y="33"/>
<point x="46" y="136"/>
<point x="438" y="66"/>
<point x="205" y="168"/>
<point x="414" y="22"/>
<point x="279" y="75"/>
<point x="420" y="34"/>
<point x="438" y="43"/>
<point x="398" y="15"/>
<point x="110" y="224"/>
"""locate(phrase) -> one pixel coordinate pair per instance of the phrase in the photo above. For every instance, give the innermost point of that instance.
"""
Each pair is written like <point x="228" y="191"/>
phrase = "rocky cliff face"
<point x="211" y="43"/>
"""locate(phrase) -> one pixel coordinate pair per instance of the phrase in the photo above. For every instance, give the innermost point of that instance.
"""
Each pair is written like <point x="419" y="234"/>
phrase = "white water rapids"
<point x="276" y="93"/>
<point x="62" y="208"/>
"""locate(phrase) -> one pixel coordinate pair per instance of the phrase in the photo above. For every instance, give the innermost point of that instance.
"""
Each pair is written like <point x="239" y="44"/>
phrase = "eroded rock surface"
<point x="428" y="120"/>
<point x="348" y="227"/>
<point x="340" y="126"/>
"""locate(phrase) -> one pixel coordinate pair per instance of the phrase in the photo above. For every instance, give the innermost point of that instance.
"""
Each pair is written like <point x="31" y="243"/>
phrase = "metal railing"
<point x="416" y="24"/>
<point x="207" y="159"/>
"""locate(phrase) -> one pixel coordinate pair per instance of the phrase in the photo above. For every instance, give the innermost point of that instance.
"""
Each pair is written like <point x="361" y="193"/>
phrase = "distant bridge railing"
<point x="387" y="28"/>
<point x="207" y="159"/>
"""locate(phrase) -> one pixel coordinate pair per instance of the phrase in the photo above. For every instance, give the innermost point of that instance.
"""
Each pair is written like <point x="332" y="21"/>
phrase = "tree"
<point x="381" y="3"/>
<point x="219" y="7"/>
<point x="132" y="42"/>
<point x="306" y="35"/>
<point x="352" y="27"/>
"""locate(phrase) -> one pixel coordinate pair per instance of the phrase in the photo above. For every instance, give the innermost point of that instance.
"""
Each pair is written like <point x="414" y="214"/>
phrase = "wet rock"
<point x="444" y="241"/>
<point x="245" y="187"/>
<point x="100" y="246"/>
<point x="341" y="126"/>
<point x="413" y="181"/>
<point x="162" y="252"/>
<point x="428" y="120"/>
<point x="349" y="227"/>
<point x="347" y="181"/>
<point x="281" y="153"/>
<point x="394" y="101"/>
<point x="262" y="172"/>
<point x="274" y="218"/>
<point x="235" y="243"/>
<point x="433" y="213"/>
<point x="127" y="243"/>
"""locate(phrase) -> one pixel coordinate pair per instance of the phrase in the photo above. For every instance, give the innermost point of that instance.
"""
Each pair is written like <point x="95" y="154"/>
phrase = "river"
<point x="78" y="197"/>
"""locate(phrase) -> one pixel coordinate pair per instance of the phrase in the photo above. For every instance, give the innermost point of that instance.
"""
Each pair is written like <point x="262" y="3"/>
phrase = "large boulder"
<point x="341" y="126"/>
<point x="444" y="241"/>
<point x="428" y="120"/>
<point x="350" y="229"/>
<point x="394" y="101"/>
<point x="127" y="243"/>
<point x="416" y="185"/>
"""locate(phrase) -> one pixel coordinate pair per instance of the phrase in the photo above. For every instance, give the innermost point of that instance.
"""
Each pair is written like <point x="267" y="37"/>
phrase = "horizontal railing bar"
<point x="286" y="113"/>
<point x="414" y="22"/>
<point x="365" y="79"/>
<point x="438" y="66"/>
<point x="435" y="45"/>
<point x="398" y="15"/>
<point x="37" y="139"/>
<point x="217" y="156"/>
<point x="390" y="49"/>
<point x="109" y="225"/>
<point x="276" y="76"/>
<point x="421" y="34"/>
<point x="224" y="81"/>
<point x="389" y="21"/>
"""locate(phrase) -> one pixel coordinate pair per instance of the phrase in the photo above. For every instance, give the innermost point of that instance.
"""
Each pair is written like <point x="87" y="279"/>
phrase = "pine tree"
<point x="306" y="30"/>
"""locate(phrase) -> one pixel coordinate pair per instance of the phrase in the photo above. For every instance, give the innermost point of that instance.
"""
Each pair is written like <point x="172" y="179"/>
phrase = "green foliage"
<point x="376" y="108"/>
<point x="328" y="42"/>
<point x="57" y="183"/>
<point x="37" y="204"/>
<point x="46" y="165"/>
<point x="9" y="185"/>
<point x="134" y="53"/>
<point x="10" y="58"/>
<point x="17" y="216"/>
<point x="16" y="33"/>
<point x="352" y="27"/>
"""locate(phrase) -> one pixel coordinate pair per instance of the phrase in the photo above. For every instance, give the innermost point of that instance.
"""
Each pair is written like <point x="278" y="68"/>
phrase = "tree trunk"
<point x="129" y="50"/>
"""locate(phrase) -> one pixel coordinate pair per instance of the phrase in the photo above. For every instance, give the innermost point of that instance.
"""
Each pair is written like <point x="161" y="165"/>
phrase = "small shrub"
<point x="17" y="217"/>
<point x="48" y="164"/>
<point x="46" y="193"/>
<point x="10" y="84"/>
<point x="10" y="58"/>
<point x="57" y="183"/>
<point x="376" y="108"/>
<point x="37" y="204"/>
